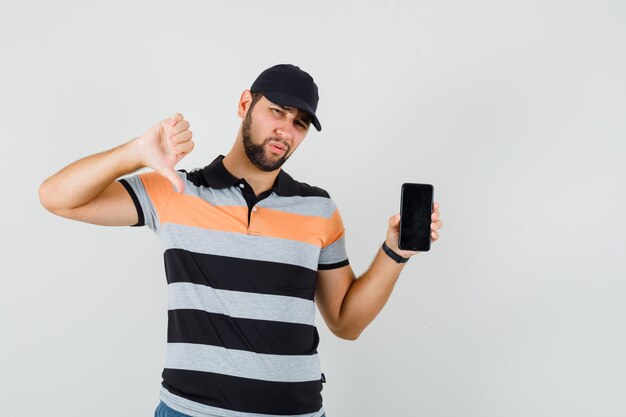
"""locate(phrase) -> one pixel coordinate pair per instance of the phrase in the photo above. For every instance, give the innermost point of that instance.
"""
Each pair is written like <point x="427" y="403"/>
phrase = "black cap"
<point x="288" y="85"/>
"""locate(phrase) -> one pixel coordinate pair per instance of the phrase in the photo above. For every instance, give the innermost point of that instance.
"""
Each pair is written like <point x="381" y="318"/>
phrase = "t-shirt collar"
<point x="217" y="176"/>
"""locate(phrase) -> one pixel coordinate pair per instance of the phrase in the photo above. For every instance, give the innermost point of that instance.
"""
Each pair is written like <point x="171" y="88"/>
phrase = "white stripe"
<point x="335" y="252"/>
<point x="305" y="206"/>
<point x="239" y="245"/>
<point x="243" y="364"/>
<point x="216" y="197"/>
<point x="186" y="295"/>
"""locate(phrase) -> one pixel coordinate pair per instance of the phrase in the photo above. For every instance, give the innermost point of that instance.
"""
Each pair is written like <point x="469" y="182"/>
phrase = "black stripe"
<point x="259" y="336"/>
<point x="215" y="175"/>
<point x="286" y="186"/>
<point x="333" y="266"/>
<point x="140" y="221"/>
<point x="236" y="274"/>
<point x="243" y="394"/>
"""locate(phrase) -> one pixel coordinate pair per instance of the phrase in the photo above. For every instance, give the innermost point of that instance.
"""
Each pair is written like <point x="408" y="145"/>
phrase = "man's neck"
<point x="237" y="163"/>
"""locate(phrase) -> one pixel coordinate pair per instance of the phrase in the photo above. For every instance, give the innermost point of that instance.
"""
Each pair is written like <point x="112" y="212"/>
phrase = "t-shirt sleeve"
<point x="333" y="254"/>
<point x="150" y="192"/>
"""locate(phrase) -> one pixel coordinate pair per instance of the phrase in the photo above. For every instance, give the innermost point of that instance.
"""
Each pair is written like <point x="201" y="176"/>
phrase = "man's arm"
<point x="86" y="190"/>
<point x="347" y="304"/>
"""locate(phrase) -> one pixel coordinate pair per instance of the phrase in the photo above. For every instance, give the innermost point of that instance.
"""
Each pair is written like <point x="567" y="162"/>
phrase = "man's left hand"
<point x="393" y="231"/>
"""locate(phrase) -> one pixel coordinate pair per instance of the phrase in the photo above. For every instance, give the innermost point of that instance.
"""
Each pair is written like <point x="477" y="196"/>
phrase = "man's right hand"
<point x="87" y="190"/>
<point x="163" y="145"/>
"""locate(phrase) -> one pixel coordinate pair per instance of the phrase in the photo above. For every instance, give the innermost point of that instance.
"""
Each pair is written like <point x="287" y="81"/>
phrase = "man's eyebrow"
<point x="286" y="108"/>
<point x="305" y="117"/>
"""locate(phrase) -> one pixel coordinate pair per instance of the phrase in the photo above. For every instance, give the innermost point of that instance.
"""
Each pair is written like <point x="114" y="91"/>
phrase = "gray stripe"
<point x="238" y="245"/>
<point x="306" y="206"/>
<point x="239" y="363"/>
<point x="217" y="197"/>
<point x="194" y="409"/>
<point x="281" y="308"/>
<point x="336" y="252"/>
<point x="151" y="218"/>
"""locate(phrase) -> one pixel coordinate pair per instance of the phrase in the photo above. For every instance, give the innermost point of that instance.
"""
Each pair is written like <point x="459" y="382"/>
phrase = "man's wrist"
<point x="399" y="259"/>
<point x="133" y="152"/>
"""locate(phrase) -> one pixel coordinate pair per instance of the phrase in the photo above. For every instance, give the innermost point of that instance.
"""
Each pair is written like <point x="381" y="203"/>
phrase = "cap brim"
<point x="287" y="100"/>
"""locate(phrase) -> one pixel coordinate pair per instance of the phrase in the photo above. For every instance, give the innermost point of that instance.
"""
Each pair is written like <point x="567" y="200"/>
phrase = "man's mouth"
<point x="278" y="147"/>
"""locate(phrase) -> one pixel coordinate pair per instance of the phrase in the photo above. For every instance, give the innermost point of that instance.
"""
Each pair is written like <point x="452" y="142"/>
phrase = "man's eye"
<point x="276" y="111"/>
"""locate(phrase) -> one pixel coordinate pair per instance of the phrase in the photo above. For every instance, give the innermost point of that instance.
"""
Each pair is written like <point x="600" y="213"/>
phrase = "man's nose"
<point x="284" y="130"/>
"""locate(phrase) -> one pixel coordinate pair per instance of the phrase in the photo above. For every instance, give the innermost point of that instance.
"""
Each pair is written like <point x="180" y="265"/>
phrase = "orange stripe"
<point x="335" y="229"/>
<point x="275" y="223"/>
<point x="193" y="211"/>
<point x="158" y="188"/>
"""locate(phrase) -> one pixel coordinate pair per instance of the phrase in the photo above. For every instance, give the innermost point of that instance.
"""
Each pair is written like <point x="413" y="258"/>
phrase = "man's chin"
<point x="272" y="165"/>
<point x="262" y="157"/>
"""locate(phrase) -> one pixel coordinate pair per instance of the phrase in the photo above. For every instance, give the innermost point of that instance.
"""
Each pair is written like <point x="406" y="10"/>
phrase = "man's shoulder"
<point x="312" y="190"/>
<point x="289" y="186"/>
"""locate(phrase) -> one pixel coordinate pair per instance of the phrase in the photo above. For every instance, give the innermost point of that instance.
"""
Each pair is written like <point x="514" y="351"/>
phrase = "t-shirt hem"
<point x="133" y="196"/>
<point x="323" y="267"/>
<point x="193" y="409"/>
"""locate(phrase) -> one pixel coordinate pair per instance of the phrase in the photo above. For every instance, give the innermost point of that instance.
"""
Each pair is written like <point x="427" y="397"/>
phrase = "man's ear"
<point x="244" y="103"/>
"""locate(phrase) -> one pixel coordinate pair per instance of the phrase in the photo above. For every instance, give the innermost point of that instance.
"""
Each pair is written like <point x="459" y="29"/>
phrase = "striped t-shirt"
<point x="241" y="272"/>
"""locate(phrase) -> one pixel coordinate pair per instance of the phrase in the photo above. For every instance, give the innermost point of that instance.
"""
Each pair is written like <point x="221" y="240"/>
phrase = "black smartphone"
<point x="416" y="207"/>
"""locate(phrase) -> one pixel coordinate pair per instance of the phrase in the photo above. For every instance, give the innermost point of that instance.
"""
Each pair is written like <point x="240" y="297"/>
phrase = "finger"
<point x="434" y="236"/>
<point x="184" y="148"/>
<point x="394" y="220"/>
<point x="180" y="126"/>
<point x="182" y="137"/>
<point x="436" y="225"/>
<point x="434" y="216"/>
<point x="435" y="206"/>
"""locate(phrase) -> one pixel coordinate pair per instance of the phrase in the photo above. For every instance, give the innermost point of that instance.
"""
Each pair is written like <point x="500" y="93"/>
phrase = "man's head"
<point x="277" y="113"/>
<point x="288" y="85"/>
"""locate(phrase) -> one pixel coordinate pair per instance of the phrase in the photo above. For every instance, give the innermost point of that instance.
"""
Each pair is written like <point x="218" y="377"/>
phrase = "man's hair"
<point x="256" y="96"/>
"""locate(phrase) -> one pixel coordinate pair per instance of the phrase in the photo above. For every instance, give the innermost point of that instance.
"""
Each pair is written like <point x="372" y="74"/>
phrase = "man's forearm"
<point x="368" y="294"/>
<point x="82" y="181"/>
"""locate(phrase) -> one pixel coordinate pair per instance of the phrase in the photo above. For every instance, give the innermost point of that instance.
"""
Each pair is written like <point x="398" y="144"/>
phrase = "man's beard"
<point x="256" y="153"/>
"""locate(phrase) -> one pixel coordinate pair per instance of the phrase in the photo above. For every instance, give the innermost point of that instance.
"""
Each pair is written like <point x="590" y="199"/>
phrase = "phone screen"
<point x="415" y="211"/>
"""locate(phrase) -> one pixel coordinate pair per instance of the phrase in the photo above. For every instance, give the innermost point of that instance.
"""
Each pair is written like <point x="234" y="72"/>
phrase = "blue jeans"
<point x="163" y="410"/>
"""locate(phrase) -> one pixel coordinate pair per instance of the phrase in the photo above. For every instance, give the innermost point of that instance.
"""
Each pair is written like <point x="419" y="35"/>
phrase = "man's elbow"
<point x="49" y="199"/>
<point x="347" y="333"/>
<point x="349" y="336"/>
<point x="46" y="197"/>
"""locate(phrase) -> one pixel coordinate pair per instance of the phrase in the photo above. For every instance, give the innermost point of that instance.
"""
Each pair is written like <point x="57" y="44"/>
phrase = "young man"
<point x="249" y="252"/>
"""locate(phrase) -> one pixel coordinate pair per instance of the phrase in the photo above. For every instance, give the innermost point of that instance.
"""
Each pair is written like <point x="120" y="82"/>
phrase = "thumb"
<point x="173" y="177"/>
<point x="394" y="220"/>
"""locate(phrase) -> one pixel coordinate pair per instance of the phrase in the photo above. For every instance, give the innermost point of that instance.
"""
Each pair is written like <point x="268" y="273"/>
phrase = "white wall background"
<point x="515" y="111"/>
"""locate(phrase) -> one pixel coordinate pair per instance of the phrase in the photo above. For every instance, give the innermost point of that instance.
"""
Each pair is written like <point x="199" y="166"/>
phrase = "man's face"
<point x="271" y="133"/>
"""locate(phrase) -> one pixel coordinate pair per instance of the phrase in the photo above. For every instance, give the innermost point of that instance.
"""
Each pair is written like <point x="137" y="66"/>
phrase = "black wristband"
<point x="399" y="259"/>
